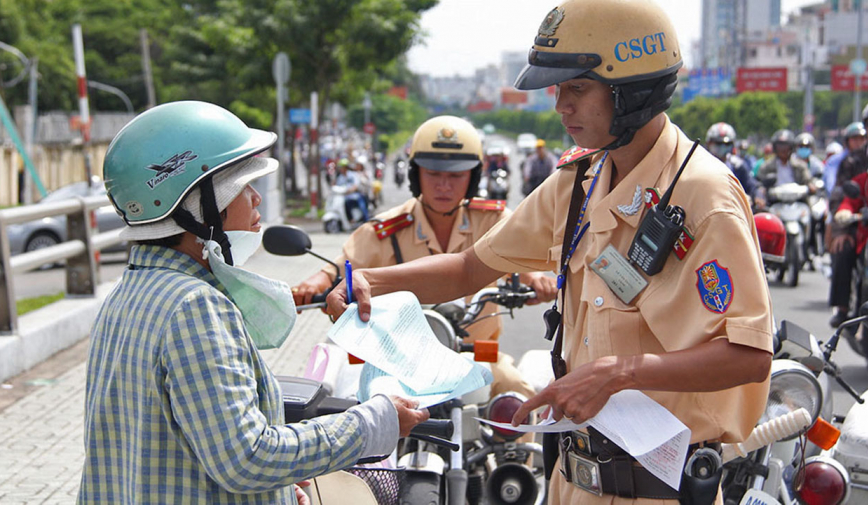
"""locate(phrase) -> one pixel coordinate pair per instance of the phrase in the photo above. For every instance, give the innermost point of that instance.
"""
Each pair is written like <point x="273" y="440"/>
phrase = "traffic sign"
<point x="857" y="66"/>
<point x="370" y="128"/>
<point x="281" y="68"/>
<point x="299" y="116"/>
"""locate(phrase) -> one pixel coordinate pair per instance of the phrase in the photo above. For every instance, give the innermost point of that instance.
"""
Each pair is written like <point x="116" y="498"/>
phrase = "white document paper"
<point x="637" y="424"/>
<point x="402" y="355"/>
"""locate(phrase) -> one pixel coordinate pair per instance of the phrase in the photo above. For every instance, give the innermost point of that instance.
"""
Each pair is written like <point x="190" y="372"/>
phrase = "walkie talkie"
<point x="659" y="230"/>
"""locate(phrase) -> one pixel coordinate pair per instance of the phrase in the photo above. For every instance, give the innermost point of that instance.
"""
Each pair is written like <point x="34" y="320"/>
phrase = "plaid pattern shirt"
<point x="180" y="406"/>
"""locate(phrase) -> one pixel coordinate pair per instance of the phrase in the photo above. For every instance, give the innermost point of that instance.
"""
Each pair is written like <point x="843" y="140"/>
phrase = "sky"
<point x="463" y="35"/>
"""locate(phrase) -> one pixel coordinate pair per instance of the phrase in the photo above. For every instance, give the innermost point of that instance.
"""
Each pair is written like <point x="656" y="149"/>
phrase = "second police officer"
<point x="695" y="336"/>
<point x="442" y="217"/>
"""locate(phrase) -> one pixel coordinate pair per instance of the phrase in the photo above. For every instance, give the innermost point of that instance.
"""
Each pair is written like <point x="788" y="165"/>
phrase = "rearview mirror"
<point x="286" y="240"/>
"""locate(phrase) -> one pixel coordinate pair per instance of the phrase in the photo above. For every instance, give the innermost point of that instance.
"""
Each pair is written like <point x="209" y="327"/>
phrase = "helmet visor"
<point x="447" y="162"/>
<point x="545" y="69"/>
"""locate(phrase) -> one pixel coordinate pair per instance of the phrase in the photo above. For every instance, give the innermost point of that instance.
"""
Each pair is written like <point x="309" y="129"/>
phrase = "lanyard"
<point x="581" y="227"/>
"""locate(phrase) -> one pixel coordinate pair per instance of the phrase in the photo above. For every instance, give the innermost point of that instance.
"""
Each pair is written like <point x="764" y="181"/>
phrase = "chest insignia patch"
<point x="633" y="207"/>
<point x="652" y="197"/>
<point x="715" y="287"/>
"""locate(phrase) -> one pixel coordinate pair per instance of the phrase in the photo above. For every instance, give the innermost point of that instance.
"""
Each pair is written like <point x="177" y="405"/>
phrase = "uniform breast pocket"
<point x="614" y="327"/>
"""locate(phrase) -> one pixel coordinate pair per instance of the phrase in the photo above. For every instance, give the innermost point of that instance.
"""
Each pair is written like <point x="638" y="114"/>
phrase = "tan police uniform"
<point x="678" y="309"/>
<point x="370" y="246"/>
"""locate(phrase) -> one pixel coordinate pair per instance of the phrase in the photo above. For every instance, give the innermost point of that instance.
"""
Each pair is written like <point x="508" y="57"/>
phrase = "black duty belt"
<point x="595" y="464"/>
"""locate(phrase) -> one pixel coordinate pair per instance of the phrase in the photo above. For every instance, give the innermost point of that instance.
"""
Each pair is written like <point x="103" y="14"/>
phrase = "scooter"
<point x="477" y="463"/>
<point x="400" y="171"/>
<point x="790" y="205"/>
<point x="498" y="184"/>
<point x="337" y="217"/>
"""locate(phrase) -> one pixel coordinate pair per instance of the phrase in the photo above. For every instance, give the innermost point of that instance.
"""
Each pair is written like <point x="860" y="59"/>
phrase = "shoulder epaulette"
<point x="479" y="204"/>
<point x="575" y="154"/>
<point x="387" y="228"/>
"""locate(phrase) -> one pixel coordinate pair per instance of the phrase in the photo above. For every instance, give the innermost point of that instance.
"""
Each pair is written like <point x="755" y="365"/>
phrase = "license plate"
<point x="756" y="497"/>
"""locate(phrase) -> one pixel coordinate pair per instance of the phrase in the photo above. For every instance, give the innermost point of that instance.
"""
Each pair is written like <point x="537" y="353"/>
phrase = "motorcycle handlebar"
<point x="440" y="428"/>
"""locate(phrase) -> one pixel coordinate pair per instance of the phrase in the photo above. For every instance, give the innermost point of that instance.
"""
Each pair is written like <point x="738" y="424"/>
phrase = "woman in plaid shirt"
<point x="180" y="405"/>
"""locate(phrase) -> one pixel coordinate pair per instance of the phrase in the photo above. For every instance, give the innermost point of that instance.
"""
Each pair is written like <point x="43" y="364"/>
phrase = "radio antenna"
<point x="664" y="201"/>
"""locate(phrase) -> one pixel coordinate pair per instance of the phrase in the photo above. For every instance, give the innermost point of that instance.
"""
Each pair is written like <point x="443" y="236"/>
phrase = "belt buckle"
<point x="585" y="473"/>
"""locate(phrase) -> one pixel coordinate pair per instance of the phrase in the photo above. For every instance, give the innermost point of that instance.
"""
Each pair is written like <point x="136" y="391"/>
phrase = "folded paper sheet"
<point x="402" y="355"/>
<point x="639" y="425"/>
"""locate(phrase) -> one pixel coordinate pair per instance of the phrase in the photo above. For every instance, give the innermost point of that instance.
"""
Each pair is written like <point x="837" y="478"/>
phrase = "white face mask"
<point x="266" y="304"/>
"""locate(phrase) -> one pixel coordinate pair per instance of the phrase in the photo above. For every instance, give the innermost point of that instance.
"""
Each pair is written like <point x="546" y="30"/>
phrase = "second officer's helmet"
<point x="446" y="144"/>
<point x="629" y="44"/>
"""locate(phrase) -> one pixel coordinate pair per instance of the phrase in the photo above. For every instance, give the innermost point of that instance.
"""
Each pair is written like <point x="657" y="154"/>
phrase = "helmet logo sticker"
<point x="134" y="208"/>
<point x="634" y="49"/>
<point x="173" y="166"/>
<point x="447" y="135"/>
<point x="551" y="22"/>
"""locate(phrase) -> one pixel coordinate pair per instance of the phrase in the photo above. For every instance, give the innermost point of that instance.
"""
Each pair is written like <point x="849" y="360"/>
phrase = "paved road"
<point x="41" y="411"/>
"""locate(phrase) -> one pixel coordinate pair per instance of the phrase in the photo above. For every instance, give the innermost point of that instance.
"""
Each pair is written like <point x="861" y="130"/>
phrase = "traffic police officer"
<point x="442" y="217"/>
<point x="695" y="336"/>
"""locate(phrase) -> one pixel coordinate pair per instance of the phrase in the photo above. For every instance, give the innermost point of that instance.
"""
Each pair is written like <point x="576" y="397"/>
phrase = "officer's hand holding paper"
<point x="402" y="355"/>
<point x="639" y="425"/>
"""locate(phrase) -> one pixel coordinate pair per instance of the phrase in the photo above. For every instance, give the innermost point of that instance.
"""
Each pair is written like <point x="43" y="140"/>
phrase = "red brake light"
<point x="501" y="409"/>
<point x="825" y="482"/>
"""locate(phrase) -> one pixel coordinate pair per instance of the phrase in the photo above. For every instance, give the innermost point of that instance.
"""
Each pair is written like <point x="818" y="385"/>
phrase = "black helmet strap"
<point x="212" y="229"/>
<point x="636" y="103"/>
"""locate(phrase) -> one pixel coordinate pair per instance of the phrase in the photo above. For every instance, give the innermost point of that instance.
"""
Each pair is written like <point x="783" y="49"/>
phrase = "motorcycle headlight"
<point x="792" y="386"/>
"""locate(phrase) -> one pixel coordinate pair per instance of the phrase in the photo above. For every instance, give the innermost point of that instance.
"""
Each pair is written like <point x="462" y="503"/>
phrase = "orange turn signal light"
<point x="354" y="360"/>
<point x="485" y="351"/>
<point x="823" y="434"/>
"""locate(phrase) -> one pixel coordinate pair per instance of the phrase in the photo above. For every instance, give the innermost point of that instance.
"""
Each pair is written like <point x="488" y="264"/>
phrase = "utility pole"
<point x="808" y="58"/>
<point x="83" y="107"/>
<point x="146" y="67"/>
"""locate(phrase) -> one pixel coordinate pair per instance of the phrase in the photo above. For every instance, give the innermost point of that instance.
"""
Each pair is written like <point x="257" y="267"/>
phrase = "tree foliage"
<point x="215" y="50"/>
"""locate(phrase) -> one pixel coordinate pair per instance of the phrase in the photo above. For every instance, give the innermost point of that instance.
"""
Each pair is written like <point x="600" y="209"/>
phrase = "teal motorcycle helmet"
<point x="175" y="167"/>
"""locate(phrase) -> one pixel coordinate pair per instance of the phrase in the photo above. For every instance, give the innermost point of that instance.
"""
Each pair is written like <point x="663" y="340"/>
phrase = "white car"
<point x="526" y="142"/>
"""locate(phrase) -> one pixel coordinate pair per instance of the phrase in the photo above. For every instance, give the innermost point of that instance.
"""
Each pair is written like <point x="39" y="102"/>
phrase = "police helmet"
<point x="446" y="144"/>
<point x="721" y="133"/>
<point x="630" y="45"/>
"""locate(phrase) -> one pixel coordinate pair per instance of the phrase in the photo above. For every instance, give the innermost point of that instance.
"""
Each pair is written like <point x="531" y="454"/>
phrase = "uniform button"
<point x="598" y="301"/>
<point x="586" y="341"/>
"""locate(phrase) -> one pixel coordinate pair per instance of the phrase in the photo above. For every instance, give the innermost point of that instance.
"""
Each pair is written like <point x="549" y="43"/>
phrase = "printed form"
<point x="402" y="355"/>
<point x="639" y="425"/>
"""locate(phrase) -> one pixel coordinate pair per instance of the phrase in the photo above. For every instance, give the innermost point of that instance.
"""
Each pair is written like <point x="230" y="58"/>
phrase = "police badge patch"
<point x="715" y="286"/>
<point x="551" y="23"/>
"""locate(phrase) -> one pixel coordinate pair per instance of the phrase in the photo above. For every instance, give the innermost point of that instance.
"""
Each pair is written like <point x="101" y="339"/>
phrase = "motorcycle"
<point x="498" y="184"/>
<point x="400" y="171"/>
<point x="337" y="216"/>
<point x="819" y="212"/>
<point x="475" y="462"/>
<point x="789" y="204"/>
<point x="786" y="468"/>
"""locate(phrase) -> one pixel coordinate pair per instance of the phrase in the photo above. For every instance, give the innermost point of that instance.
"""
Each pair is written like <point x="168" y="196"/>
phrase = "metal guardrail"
<point x="79" y="251"/>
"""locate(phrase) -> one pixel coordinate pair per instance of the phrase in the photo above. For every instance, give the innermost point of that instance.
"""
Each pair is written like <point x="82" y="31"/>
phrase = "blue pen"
<point x="349" y="272"/>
